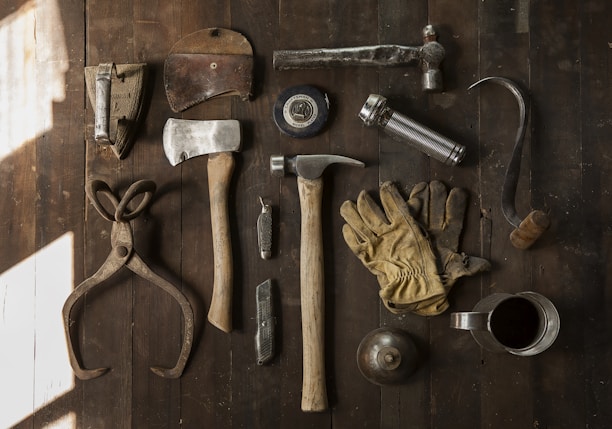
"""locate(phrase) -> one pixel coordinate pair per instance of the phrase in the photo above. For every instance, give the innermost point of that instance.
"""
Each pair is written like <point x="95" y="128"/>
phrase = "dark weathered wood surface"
<point x="559" y="51"/>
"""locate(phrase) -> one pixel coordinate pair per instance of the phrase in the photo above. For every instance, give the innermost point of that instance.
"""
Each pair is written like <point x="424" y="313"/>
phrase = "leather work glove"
<point x="394" y="247"/>
<point x="442" y="214"/>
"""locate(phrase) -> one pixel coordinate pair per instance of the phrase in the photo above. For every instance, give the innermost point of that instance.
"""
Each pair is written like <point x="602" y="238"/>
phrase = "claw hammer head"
<point x="308" y="166"/>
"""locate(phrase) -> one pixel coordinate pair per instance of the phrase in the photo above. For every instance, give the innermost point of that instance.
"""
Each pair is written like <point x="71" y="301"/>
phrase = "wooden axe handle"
<point x="220" y="169"/>
<point x="530" y="229"/>
<point x="312" y="295"/>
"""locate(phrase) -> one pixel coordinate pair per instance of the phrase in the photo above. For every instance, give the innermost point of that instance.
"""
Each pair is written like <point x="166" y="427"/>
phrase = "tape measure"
<point x="301" y="111"/>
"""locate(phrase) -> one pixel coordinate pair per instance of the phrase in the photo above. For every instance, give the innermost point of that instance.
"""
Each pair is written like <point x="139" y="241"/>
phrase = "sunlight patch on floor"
<point x="34" y="61"/>
<point x="34" y="365"/>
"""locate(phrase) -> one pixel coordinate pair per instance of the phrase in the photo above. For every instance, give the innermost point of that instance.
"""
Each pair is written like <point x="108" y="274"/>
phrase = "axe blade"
<point x="185" y="139"/>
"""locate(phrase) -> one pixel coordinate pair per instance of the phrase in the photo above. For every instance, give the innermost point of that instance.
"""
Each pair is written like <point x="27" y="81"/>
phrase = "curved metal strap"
<point x="138" y="266"/>
<point x="92" y="188"/>
<point x="111" y="265"/>
<point x="146" y="187"/>
<point x="514" y="167"/>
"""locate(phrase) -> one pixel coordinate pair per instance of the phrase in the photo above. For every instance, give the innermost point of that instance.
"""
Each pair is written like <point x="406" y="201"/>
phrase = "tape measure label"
<point x="300" y="111"/>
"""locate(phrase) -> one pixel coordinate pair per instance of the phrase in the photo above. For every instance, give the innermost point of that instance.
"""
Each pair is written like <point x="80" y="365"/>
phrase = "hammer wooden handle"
<point x="220" y="169"/>
<point x="314" y="392"/>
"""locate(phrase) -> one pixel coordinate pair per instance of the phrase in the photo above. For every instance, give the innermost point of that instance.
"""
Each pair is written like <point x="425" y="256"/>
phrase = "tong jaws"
<point x="123" y="254"/>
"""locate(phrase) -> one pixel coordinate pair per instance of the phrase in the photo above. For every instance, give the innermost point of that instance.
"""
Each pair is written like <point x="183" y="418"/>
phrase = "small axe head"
<point x="308" y="166"/>
<point x="185" y="139"/>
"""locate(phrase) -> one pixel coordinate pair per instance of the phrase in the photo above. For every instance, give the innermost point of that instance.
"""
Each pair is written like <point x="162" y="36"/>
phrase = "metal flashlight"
<point x="376" y="112"/>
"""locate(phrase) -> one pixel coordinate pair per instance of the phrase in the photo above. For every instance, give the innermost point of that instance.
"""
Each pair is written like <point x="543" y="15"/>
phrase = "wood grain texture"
<point x="220" y="169"/>
<point x="312" y="295"/>
<point x="556" y="51"/>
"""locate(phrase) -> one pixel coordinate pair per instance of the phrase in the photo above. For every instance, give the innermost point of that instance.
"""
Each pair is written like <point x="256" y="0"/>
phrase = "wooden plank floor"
<point x="559" y="51"/>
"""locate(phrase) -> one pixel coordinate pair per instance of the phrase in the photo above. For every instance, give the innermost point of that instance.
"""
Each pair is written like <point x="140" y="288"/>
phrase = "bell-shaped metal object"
<point x="387" y="356"/>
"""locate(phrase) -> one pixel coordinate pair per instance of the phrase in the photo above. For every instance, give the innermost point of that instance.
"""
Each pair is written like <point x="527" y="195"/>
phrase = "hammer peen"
<point x="309" y="170"/>
<point x="428" y="56"/>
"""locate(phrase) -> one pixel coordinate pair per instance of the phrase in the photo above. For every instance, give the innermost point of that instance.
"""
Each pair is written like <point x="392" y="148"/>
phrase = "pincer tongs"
<point x="123" y="253"/>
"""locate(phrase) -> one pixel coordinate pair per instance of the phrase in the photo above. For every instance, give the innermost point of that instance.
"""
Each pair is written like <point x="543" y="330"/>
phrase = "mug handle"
<point x="469" y="320"/>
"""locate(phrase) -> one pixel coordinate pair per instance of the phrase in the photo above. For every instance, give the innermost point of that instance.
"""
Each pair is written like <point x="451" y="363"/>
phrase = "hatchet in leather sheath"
<point x="212" y="62"/>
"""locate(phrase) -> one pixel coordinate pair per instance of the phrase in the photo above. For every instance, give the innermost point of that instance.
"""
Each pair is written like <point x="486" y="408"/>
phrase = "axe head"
<point x="185" y="139"/>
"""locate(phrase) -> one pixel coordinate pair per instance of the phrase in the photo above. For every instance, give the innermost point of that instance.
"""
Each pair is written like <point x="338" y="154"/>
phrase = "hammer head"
<point x="431" y="54"/>
<point x="308" y="166"/>
<point x="185" y="139"/>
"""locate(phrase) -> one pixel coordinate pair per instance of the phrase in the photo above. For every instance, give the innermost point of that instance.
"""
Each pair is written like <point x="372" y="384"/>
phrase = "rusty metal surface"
<point x="123" y="254"/>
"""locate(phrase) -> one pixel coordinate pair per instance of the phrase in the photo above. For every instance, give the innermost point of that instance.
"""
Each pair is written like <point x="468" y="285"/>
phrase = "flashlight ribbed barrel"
<point x="376" y="112"/>
<point x="424" y="139"/>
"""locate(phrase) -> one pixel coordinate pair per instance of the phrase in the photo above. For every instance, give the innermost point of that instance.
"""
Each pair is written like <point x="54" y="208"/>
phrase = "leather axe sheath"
<point x="212" y="62"/>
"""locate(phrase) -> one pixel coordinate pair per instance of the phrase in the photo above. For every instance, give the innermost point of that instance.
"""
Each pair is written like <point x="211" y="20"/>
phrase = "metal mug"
<point x="523" y="324"/>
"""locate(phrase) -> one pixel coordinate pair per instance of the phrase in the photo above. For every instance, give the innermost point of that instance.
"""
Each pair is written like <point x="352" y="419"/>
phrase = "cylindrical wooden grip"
<point x="220" y="169"/>
<point x="530" y="229"/>
<point x="312" y="295"/>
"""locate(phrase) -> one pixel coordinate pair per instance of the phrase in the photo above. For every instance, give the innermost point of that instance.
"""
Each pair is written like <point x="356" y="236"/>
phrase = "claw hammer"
<point x="309" y="169"/>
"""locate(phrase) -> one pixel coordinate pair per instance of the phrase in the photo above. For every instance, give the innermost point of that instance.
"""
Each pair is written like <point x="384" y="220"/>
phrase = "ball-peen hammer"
<point x="428" y="56"/>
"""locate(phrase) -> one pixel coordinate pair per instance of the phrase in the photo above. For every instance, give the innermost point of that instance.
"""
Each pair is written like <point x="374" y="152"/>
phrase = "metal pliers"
<point x="123" y="254"/>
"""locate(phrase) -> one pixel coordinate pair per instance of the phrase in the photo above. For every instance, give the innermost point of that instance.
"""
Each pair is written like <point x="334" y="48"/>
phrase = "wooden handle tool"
<point x="220" y="169"/>
<point x="312" y="295"/>
<point x="185" y="139"/>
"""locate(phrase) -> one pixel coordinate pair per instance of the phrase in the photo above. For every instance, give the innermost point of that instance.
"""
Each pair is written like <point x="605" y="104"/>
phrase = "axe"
<point x="186" y="139"/>
<point x="213" y="62"/>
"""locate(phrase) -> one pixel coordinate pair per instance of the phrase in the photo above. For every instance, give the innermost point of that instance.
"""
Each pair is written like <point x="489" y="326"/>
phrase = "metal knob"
<point x="387" y="356"/>
<point x="376" y="112"/>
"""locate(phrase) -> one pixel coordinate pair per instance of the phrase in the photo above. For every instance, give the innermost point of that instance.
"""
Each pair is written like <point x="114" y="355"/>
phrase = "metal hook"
<point x="527" y="230"/>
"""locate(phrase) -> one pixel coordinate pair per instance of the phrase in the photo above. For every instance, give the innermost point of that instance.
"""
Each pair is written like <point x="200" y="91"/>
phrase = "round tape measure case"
<point x="301" y="111"/>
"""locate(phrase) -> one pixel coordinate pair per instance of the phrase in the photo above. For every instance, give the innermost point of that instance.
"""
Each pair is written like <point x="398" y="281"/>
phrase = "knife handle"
<point x="264" y="338"/>
<point x="264" y="230"/>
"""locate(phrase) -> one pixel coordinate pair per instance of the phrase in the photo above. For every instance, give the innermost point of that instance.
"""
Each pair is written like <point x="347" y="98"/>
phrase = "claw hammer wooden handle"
<point x="220" y="169"/>
<point x="312" y="295"/>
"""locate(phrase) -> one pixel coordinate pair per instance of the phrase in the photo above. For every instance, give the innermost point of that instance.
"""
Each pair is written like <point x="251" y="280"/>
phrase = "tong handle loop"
<point x="122" y="213"/>
<point x="92" y="188"/>
<point x="146" y="187"/>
